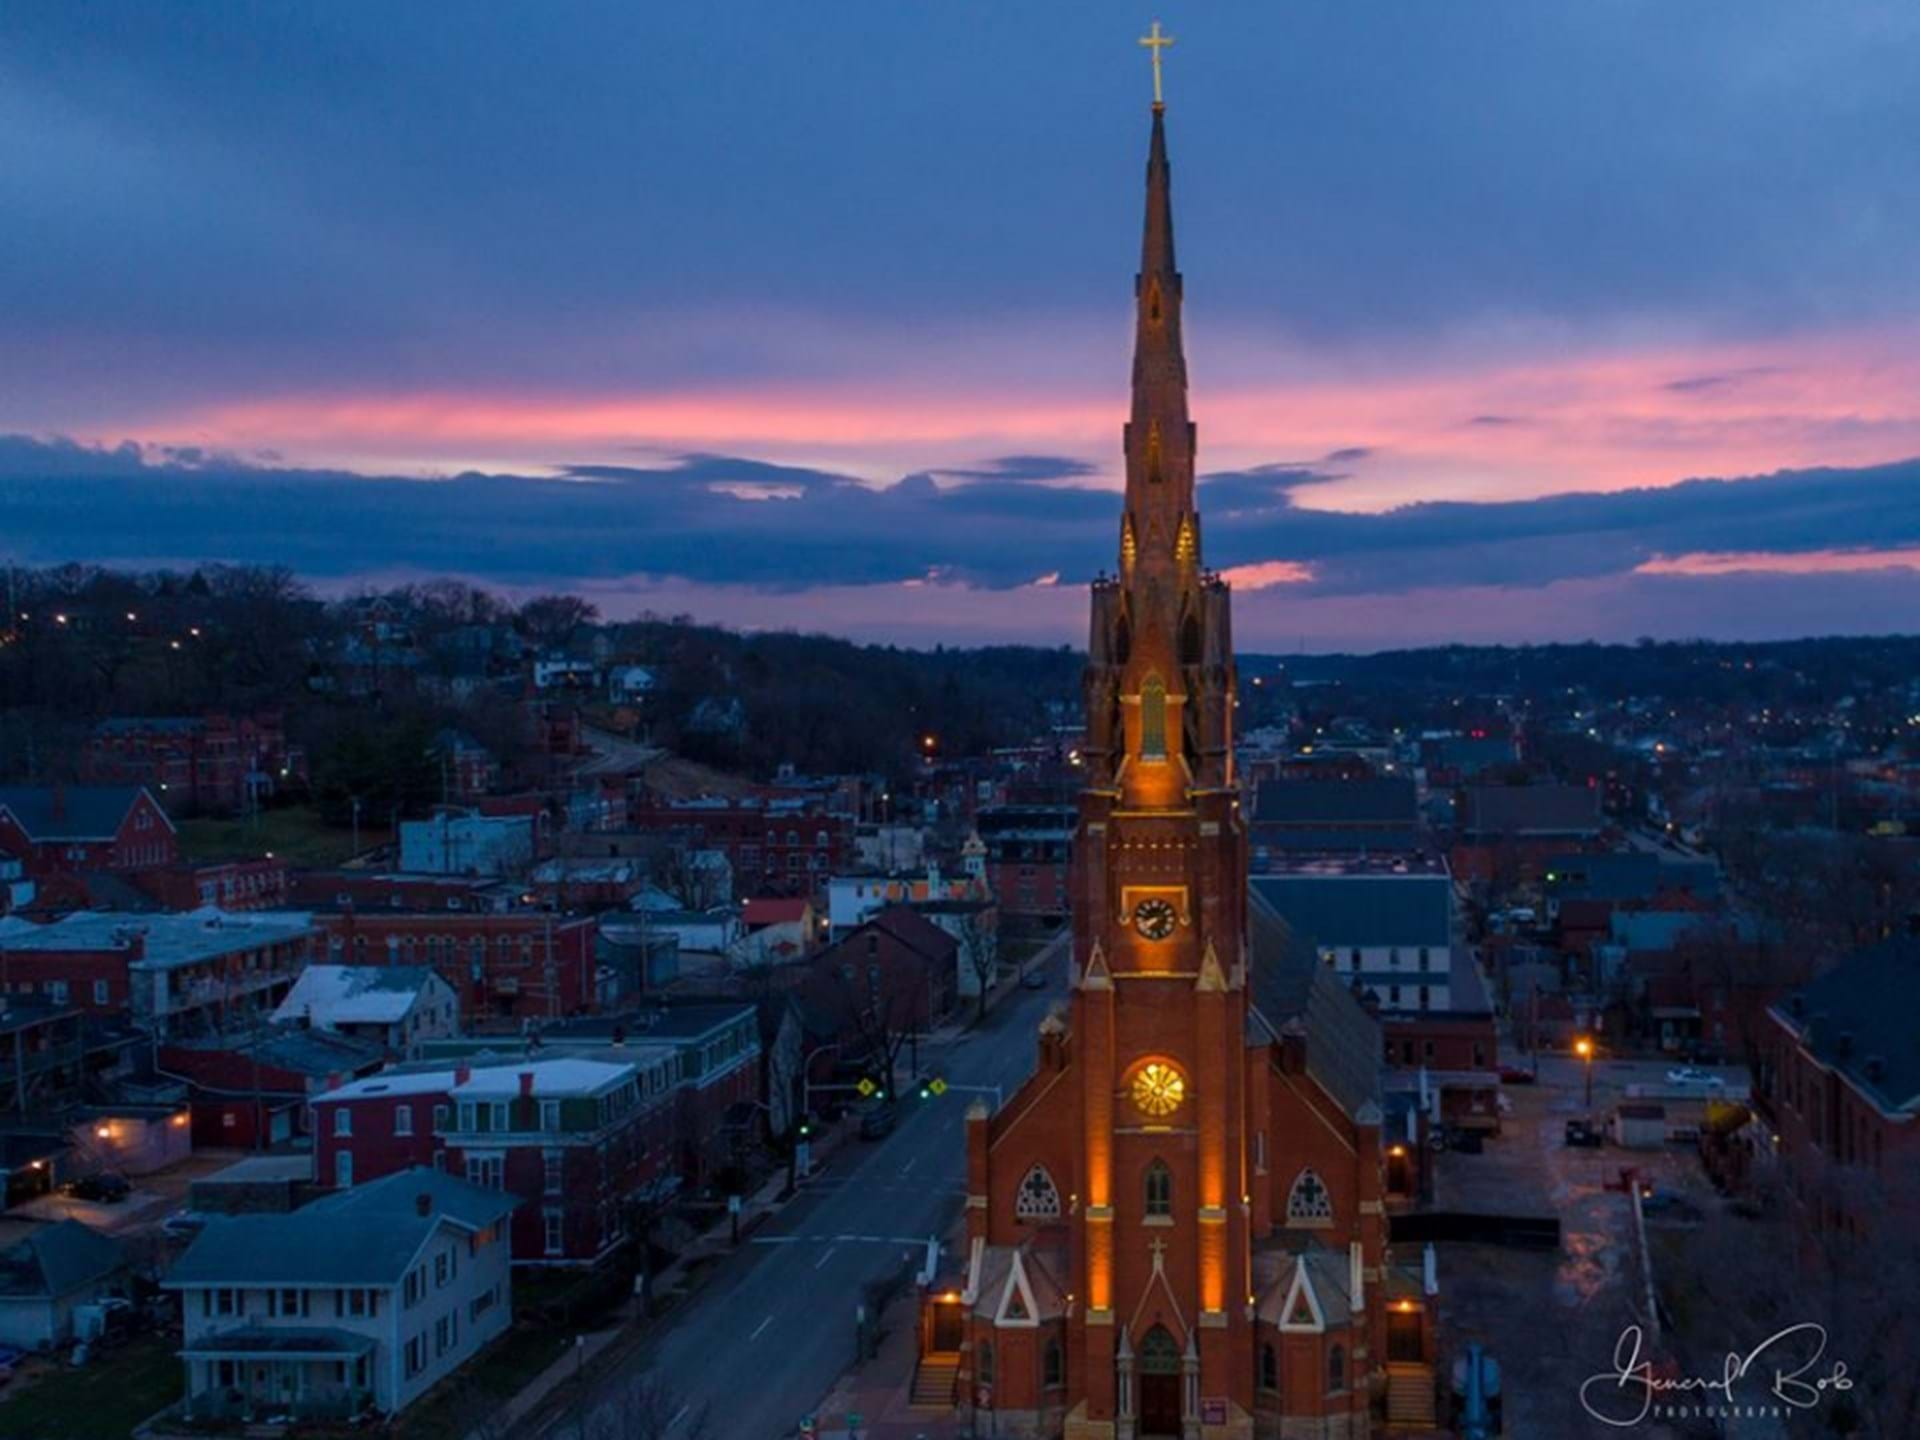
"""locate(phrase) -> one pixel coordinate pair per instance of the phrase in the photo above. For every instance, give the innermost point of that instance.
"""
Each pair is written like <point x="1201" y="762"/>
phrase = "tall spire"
<point x="1159" y="439"/>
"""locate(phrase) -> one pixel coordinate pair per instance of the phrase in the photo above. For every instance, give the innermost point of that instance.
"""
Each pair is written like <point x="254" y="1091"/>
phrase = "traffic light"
<point x="806" y="1126"/>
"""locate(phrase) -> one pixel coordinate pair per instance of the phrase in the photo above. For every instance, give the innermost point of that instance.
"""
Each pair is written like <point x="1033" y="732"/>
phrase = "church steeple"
<point x="1160" y="681"/>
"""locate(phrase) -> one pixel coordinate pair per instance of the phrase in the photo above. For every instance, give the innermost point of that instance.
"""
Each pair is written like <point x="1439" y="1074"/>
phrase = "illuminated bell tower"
<point x="1160" y="931"/>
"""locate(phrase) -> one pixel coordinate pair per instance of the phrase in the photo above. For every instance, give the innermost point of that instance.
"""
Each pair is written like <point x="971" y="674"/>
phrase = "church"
<point x="1177" y="1226"/>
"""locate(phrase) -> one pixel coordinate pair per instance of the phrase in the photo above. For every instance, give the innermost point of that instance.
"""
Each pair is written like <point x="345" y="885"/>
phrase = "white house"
<point x="1384" y="921"/>
<point x="397" y="1006"/>
<point x="628" y="684"/>
<point x="362" y="1300"/>
<point x="466" y="844"/>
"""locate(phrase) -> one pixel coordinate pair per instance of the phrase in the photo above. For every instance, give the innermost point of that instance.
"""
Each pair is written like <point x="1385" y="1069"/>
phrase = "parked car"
<point x="102" y="1186"/>
<point x="9" y="1358"/>
<point x="1695" y="1079"/>
<point x="1515" y="1075"/>
<point x="1585" y="1134"/>
<point x="1034" y="980"/>
<point x="876" y="1121"/>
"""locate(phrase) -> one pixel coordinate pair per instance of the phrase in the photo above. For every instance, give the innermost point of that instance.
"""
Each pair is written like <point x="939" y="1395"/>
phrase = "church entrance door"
<point x="1159" y="1385"/>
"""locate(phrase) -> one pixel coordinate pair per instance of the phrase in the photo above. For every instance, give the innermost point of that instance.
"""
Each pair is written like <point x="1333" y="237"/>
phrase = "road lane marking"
<point x="679" y="1415"/>
<point x="825" y="1256"/>
<point x="763" y="1324"/>
<point x="909" y="1165"/>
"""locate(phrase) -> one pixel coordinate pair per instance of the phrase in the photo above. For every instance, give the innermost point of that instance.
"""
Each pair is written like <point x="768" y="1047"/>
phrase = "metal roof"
<point x="1342" y="910"/>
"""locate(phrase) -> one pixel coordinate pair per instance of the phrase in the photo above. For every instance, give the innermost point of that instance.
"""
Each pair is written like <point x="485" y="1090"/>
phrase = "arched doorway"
<point x="1159" y="1384"/>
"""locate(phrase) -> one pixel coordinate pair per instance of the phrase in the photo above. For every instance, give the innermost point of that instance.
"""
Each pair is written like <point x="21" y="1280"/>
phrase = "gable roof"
<point x="907" y="924"/>
<point x="355" y="994"/>
<point x="72" y="812"/>
<point x="368" y="1235"/>
<point x="775" y="910"/>
<point x="58" y="1259"/>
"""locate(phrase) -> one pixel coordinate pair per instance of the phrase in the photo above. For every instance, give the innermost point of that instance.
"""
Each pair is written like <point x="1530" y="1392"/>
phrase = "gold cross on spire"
<point x="1155" y="43"/>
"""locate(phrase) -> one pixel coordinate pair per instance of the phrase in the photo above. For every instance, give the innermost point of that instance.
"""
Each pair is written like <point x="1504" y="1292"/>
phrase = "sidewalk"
<point x="717" y="1239"/>
<point x="878" y="1392"/>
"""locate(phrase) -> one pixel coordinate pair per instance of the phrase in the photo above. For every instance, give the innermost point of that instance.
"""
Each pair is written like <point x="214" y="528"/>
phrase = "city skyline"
<point x="1611" y="350"/>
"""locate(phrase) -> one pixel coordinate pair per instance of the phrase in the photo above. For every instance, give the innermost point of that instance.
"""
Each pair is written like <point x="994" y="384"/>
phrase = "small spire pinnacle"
<point x="1155" y="42"/>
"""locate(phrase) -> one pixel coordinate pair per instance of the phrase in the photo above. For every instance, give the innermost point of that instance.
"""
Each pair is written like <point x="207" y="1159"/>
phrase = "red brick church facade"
<point x="1176" y="1226"/>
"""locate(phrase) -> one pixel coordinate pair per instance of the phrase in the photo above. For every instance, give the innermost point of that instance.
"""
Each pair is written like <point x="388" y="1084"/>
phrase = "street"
<point x="773" y="1326"/>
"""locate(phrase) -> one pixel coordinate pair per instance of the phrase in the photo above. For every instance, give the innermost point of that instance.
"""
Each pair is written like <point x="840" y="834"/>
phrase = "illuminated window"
<point x="1158" y="1089"/>
<point x="1153" y="719"/>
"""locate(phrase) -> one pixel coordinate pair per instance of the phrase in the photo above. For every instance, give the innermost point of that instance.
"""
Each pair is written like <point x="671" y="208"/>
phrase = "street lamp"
<point x="1583" y="1047"/>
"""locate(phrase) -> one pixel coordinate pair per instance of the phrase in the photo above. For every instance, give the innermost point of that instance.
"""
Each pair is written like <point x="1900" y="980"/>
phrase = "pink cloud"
<point x="1504" y="420"/>
<point x="1266" y="573"/>
<point x="1806" y="562"/>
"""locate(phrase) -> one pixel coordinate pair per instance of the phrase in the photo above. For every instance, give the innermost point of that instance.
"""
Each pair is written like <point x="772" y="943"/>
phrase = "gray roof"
<point x="1532" y="810"/>
<point x="171" y="940"/>
<point x="1294" y="993"/>
<point x="367" y="1236"/>
<point x="1341" y="910"/>
<point x="89" y="812"/>
<point x="1316" y="803"/>
<point x="59" y="1259"/>
<point x="1867" y="1001"/>
<point x="301" y="1051"/>
<point x="1292" y="839"/>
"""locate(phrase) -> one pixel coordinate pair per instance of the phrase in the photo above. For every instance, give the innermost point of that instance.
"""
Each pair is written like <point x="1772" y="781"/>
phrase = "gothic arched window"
<point x="983" y="1363"/>
<point x="1269" y="1367"/>
<point x="1153" y="719"/>
<point x="1308" y="1203"/>
<point x="1336" y="1369"/>
<point x="1159" y="1189"/>
<point x="1053" y="1365"/>
<point x="1037" y="1198"/>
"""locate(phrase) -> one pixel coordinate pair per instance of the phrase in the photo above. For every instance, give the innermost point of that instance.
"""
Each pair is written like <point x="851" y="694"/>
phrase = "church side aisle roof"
<point x="1292" y="990"/>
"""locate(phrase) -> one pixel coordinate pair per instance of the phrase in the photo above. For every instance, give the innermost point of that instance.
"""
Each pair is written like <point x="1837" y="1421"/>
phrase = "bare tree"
<point x="636" y="1406"/>
<point x="980" y="949"/>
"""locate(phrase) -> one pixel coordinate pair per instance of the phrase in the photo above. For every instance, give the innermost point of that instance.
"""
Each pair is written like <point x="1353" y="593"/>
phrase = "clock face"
<point x="1155" y="919"/>
<point x="1157" y="1089"/>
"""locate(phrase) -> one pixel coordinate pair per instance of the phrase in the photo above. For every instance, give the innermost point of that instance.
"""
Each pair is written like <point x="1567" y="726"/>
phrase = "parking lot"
<point x="1552" y="1319"/>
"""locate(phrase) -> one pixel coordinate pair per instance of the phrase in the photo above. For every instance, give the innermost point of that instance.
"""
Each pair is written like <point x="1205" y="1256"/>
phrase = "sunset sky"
<point x="1507" y="320"/>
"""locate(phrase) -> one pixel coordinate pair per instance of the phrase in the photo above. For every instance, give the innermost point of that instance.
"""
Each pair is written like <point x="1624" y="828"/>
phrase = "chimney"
<point x="1845" y="1047"/>
<point x="423" y="1203"/>
<point x="1876" y="1067"/>
<point x="526" y="1084"/>
<point x="462" y="1074"/>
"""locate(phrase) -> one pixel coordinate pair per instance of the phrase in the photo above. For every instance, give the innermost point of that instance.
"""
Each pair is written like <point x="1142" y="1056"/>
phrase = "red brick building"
<point x="68" y="829"/>
<point x="231" y="884"/>
<point x="519" y="965"/>
<point x="1176" y="1226"/>
<point x="250" y="1089"/>
<point x="1029" y="858"/>
<point x="1840" y="1078"/>
<point x="894" y="975"/>
<point x="578" y="1140"/>
<point x="204" y="764"/>
<point x="775" y="846"/>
